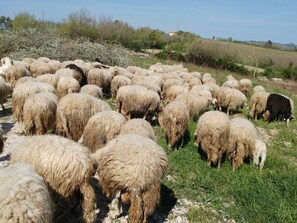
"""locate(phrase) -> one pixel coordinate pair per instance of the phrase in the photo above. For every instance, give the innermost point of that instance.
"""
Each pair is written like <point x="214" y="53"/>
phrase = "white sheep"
<point x="133" y="165"/>
<point x="6" y="62"/>
<point x="134" y="100"/>
<point x="242" y="141"/>
<point x="212" y="134"/>
<point x="24" y="195"/>
<point x="92" y="90"/>
<point x="21" y="92"/>
<point x="16" y="72"/>
<point x="74" y="111"/>
<point x="232" y="99"/>
<point x="257" y="104"/>
<point x="51" y="79"/>
<point x="64" y="164"/>
<point x="39" y="113"/>
<point x="117" y="82"/>
<point x="138" y="126"/>
<point x="174" y="120"/>
<point x="67" y="85"/>
<point x="245" y="85"/>
<point x="260" y="152"/>
<point x="101" y="128"/>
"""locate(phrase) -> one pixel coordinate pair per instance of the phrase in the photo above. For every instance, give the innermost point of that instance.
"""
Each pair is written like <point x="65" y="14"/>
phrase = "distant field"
<point x="253" y="55"/>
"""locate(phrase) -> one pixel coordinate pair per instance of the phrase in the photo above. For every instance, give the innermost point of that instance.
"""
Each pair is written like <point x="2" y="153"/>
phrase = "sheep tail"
<point x="89" y="202"/>
<point x="136" y="209"/>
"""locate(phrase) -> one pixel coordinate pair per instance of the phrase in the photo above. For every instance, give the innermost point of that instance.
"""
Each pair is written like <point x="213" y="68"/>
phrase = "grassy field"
<point x="245" y="195"/>
<point x="250" y="54"/>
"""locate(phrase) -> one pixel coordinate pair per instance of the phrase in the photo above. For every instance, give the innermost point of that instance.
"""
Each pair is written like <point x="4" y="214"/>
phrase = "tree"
<point x="268" y="44"/>
<point x="24" y="20"/>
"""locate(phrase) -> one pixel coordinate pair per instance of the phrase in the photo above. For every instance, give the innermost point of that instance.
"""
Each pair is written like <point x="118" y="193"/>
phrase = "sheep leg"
<point x="208" y="159"/>
<point x="136" y="208"/>
<point x="263" y="158"/>
<point x="89" y="202"/>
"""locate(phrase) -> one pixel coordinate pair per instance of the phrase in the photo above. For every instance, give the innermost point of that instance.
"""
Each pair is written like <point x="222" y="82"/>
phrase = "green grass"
<point x="247" y="194"/>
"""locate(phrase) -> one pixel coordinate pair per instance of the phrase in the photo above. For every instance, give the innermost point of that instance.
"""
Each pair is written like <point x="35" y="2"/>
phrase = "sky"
<point x="259" y="20"/>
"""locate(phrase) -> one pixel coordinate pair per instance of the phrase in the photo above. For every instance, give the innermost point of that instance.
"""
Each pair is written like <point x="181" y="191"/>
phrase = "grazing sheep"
<point x="117" y="82"/>
<point x="39" y="113"/>
<point x="67" y="85"/>
<point x="51" y="79"/>
<point x="231" y="83"/>
<point x="242" y="141"/>
<point x="101" y="128"/>
<point x="21" y="92"/>
<point x="64" y="164"/>
<point x="232" y="99"/>
<point x="92" y="90"/>
<point x="279" y="106"/>
<point x="258" y="88"/>
<point x="16" y="72"/>
<point x="139" y="126"/>
<point x="74" y="111"/>
<point x="102" y="78"/>
<point x="168" y="83"/>
<point x="174" y="91"/>
<point x="5" y="90"/>
<point x="260" y="152"/>
<point x="134" y="101"/>
<point x="212" y="135"/>
<point x="245" y="86"/>
<point x="39" y="67"/>
<point x="28" y="60"/>
<point x="257" y="104"/>
<point x="195" y="103"/>
<point x="134" y="166"/>
<point x="44" y="59"/>
<point x="5" y="63"/>
<point x="174" y="119"/>
<point x="149" y="83"/>
<point x="55" y="65"/>
<point x="78" y="74"/>
<point x="24" y="195"/>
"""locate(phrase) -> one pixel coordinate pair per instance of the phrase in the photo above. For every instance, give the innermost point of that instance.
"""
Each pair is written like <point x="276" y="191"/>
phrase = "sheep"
<point x="71" y="70"/>
<point x="260" y="152"/>
<point x="174" y="119"/>
<point x="278" y="106"/>
<point x="65" y="165"/>
<point x="174" y="91"/>
<point x="101" y="128"/>
<point x="44" y="59"/>
<point x="67" y="85"/>
<point x="232" y="99"/>
<point x="138" y="126"/>
<point x="5" y="63"/>
<point x="74" y="111"/>
<point x="39" y="67"/>
<point x="242" y="141"/>
<point x="51" y="79"/>
<point x="133" y="165"/>
<point x="134" y="100"/>
<point x="212" y="134"/>
<point x="149" y="83"/>
<point x="117" y="82"/>
<point x="22" y="92"/>
<point x="231" y="83"/>
<point x="196" y="104"/>
<point x="28" y="60"/>
<point x="168" y="83"/>
<point x="78" y="74"/>
<point x="258" y="88"/>
<point x="39" y="113"/>
<point x="24" y="195"/>
<point x="92" y="90"/>
<point x="55" y="65"/>
<point x="14" y="73"/>
<point x="257" y="104"/>
<point x="5" y="90"/>
<point x="245" y="86"/>
<point x="102" y="78"/>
